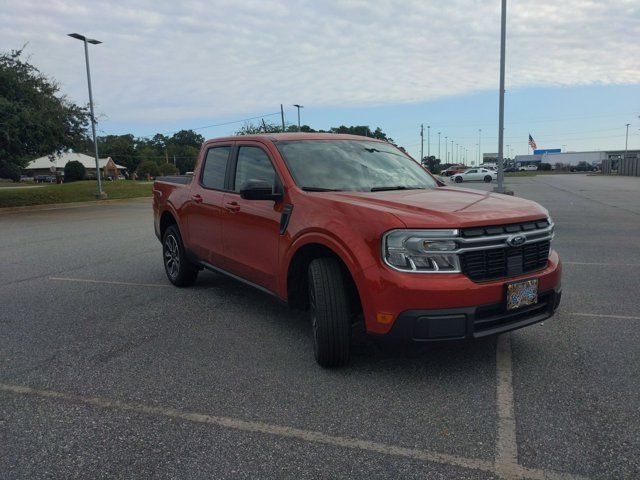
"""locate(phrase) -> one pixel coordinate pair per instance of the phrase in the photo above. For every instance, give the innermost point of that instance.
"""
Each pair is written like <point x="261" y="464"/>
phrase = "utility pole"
<point x="479" y="146"/>
<point x="282" y="116"/>
<point x="451" y="150"/>
<point x="626" y="142"/>
<point x="428" y="141"/>
<point x="439" y="146"/>
<point x="421" y="143"/>
<point x="503" y="35"/>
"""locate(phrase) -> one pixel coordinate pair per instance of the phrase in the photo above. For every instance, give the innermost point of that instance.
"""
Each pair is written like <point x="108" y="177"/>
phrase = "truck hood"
<point x="446" y="207"/>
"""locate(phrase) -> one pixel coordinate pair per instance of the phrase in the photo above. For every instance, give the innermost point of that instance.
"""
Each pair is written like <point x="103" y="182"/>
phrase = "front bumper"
<point x="397" y="296"/>
<point x="471" y="322"/>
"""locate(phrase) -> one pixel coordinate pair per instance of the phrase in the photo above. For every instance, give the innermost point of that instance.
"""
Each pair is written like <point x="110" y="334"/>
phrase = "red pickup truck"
<point x="353" y="230"/>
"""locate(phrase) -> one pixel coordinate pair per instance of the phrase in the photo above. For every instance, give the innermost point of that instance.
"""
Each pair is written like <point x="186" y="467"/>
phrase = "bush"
<point x="545" y="167"/>
<point x="148" y="167"/>
<point x="168" y="169"/>
<point x="10" y="171"/>
<point x="74" y="171"/>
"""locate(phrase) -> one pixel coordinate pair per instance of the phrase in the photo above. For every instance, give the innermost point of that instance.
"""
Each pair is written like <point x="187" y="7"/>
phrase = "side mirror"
<point x="259" y="190"/>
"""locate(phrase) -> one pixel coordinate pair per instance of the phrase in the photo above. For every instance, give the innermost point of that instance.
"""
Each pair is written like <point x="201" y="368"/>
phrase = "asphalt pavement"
<point x="107" y="371"/>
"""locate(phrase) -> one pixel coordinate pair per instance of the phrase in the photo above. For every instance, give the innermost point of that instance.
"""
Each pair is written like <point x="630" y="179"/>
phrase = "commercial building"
<point x="574" y="158"/>
<point x="56" y="163"/>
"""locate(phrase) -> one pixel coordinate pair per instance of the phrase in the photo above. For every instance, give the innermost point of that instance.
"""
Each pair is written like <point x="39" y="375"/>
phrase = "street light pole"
<point x="439" y="146"/>
<point x="298" y="107"/>
<point x="503" y="35"/>
<point x="626" y="141"/>
<point x="446" y="150"/>
<point x="428" y="140"/>
<point x="479" y="146"/>
<point x="421" y="143"/>
<point x="86" y="40"/>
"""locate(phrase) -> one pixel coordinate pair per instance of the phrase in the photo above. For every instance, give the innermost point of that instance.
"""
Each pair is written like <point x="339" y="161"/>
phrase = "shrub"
<point x="168" y="169"/>
<point x="148" y="167"/>
<point x="74" y="171"/>
<point x="545" y="166"/>
<point x="10" y="171"/>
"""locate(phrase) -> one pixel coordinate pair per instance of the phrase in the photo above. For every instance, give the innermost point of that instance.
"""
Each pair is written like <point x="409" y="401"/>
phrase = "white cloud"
<point x="172" y="61"/>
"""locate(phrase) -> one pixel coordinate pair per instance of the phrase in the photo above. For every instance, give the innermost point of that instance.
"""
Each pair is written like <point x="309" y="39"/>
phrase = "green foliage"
<point x="432" y="163"/>
<point x="148" y="167"/>
<point x="544" y="167"/>
<point x="74" y="171"/>
<point x="10" y="171"/>
<point x="36" y="119"/>
<point x="267" y="127"/>
<point x="168" y="169"/>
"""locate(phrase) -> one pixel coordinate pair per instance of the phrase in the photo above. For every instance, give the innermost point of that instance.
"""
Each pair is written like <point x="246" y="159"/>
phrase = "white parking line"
<point x="595" y="315"/>
<point x="109" y="282"/>
<point x="514" y="471"/>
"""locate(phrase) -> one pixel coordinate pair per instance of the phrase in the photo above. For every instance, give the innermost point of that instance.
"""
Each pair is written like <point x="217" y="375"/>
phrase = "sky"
<point x="572" y="67"/>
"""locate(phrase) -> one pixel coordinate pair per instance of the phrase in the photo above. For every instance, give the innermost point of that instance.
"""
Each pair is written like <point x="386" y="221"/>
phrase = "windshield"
<point x="352" y="165"/>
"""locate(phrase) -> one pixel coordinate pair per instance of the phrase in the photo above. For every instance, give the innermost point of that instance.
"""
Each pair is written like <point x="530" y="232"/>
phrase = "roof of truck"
<point x="274" y="137"/>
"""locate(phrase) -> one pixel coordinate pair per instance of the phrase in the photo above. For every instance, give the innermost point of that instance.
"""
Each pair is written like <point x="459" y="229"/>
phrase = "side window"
<point x="472" y="171"/>
<point x="253" y="164"/>
<point x="215" y="167"/>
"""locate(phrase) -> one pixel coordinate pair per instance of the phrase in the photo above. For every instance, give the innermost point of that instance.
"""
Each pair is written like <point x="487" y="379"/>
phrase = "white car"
<point x="475" y="174"/>
<point x="528" y="168"/>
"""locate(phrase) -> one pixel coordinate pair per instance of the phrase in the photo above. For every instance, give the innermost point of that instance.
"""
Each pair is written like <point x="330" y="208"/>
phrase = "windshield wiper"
<point x="320" y="189"/>
<point x="397" y="187"/>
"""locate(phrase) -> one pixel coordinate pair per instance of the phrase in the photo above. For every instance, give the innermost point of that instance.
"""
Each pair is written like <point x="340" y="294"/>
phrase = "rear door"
<point x="250" y="231"/>
<point x="204" y="211"/>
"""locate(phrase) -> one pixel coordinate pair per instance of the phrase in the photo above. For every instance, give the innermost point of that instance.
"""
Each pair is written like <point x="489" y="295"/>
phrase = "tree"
<point x="74" y="170"/>
<point x="168" y="169"/>
<point x="432" y="163"/>
<point x="148" y="168"/>
<point x="36" y="119"/>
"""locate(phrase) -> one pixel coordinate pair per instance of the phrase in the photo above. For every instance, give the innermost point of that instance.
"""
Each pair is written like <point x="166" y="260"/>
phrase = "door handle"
<point x="232" y="206"/>
<point x="197" y="198"/>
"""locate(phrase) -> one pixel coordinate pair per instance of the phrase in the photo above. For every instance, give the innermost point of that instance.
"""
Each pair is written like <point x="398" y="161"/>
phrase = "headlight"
<point x="421" y="251"/>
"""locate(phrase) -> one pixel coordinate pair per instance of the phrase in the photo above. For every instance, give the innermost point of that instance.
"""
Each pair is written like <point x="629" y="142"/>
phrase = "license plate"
<point x="521" y="294"/>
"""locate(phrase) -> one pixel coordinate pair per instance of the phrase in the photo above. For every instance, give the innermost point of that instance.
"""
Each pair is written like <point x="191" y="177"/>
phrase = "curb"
<point x="61" y="206"/>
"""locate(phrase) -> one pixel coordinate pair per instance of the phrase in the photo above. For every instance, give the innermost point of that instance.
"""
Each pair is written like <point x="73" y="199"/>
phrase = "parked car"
<point x="452" y="170"/>
<point x="528" y="168"/>
<point x="511" y="169"/>
<point x="26" y="178"/>
<point x="583" y="167"/>
<point x="354" y="231"/>
<point x="475" y="175"/>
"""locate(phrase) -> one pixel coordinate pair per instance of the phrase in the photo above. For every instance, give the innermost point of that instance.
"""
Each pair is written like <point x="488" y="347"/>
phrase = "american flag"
<point x="532" y="144"/>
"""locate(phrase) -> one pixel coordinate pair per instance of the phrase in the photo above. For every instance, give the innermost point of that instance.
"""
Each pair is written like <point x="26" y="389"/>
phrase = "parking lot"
<point x="108" y="371"/>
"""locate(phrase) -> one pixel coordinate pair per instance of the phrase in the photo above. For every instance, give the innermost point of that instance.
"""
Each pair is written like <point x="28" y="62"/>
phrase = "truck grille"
<point x="505" y="262"/>
<point x="488" y="256"/>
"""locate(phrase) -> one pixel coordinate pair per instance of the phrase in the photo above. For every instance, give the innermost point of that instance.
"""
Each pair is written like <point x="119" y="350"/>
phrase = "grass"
<point x="533" y="173"/>
<point x="72" y="192"/>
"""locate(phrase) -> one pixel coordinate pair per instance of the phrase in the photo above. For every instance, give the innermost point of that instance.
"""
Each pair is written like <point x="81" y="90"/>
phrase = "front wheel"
<point x="180" y="271"/>
<point x="487" y="179"/>
<point x="330" y="313"/>
<point x="458" y="179"/>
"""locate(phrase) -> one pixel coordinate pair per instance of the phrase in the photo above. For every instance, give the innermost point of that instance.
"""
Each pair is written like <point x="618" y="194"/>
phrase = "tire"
<point x="330" y="313"/>
<point x="458" y="179"/>
<point x="180" y="271"/>
<point x="488" y="179"/>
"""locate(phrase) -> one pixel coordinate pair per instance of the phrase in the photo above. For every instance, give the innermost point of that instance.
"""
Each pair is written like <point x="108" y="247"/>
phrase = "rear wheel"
<point x="458" y="179"/>
<point x="487" y="178"/>
<point x="180" y="271"/>
<point x="330" y="314"/>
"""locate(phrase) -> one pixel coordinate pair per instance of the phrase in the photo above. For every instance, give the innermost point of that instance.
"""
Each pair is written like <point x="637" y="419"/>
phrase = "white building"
<point x="50" y="165"/>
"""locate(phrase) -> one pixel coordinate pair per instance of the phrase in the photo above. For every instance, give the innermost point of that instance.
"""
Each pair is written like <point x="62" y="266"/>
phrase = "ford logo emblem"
<point x="516" y="240"/>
